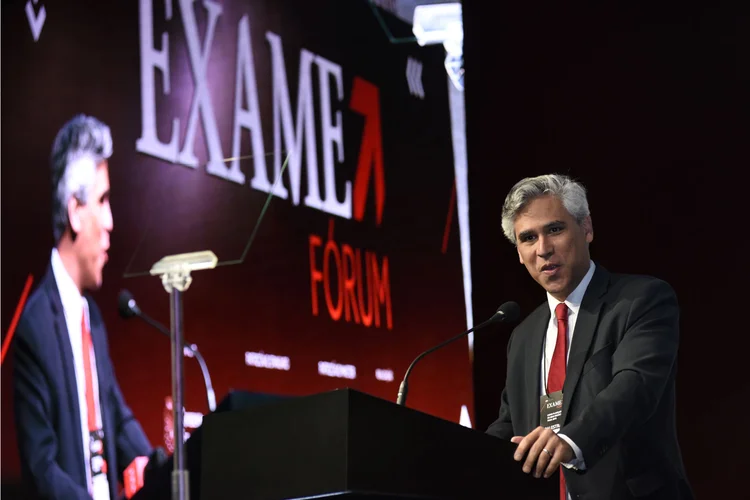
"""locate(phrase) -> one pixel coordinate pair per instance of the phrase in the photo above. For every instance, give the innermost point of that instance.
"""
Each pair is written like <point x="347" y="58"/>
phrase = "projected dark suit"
<point x="46" y="402"/>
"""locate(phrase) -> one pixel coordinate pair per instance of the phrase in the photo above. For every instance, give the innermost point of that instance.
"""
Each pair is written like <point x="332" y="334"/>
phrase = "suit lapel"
<point x="66" y="357"/>
<point x="583" y="335"/>
<point x="97" y="338"/>
<point x="533" y="377"/>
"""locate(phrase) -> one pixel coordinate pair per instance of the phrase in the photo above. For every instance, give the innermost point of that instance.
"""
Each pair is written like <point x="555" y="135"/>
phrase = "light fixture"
<point x="443" y="23"/>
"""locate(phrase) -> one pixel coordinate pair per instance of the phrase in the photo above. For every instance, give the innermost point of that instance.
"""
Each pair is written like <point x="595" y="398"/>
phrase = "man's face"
<point x="552" y="245"/>
<point x="92" y="223"/>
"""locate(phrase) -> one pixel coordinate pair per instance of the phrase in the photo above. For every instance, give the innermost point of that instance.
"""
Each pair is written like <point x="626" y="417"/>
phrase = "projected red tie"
<point x="88" y="346"/>
<point x="556" y="377"/>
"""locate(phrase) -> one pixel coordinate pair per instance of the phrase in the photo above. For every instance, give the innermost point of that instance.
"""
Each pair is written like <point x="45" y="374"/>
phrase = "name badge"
<point x="551" y="410"/>
<point x="96" y="450"/>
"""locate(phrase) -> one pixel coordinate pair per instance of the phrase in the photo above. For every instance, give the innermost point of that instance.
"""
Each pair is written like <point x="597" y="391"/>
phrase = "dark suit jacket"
<point x="48" y="420"/>
<point x="619" y="392"/>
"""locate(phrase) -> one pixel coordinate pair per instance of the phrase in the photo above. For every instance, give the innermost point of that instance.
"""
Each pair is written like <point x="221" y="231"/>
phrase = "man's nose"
<point x="107" y="221"/>
<point x="544" y="247"/>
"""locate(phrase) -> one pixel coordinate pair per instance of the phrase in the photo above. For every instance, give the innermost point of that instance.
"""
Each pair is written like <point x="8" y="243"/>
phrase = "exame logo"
<point x="293" y="134"/>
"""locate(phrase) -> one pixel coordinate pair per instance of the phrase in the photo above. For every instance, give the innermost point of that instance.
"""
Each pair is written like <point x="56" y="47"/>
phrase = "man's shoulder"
<point x="37" y="310"/>
<point x="34" y="337"/>
<point x="626" y="285"/>
<point x="640" y="291"/>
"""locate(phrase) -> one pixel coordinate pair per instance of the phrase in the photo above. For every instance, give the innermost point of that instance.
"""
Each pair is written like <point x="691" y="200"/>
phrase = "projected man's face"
<point x="92" y="223"/>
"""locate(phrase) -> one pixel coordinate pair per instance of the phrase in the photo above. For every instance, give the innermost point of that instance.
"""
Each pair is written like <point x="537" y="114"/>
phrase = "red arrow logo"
<point x="366" y="101"/>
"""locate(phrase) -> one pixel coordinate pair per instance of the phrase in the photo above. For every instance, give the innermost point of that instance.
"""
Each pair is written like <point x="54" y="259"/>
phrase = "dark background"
<point x="647" y="104"/>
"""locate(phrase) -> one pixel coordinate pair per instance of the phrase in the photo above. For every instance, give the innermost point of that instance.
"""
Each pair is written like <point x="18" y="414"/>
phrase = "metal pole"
<point x="180" y="481"/>
<point x="175" y="276"/>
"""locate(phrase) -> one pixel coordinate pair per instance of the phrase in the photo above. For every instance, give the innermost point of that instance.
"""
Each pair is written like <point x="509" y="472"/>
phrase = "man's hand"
<point x="546" y="451"/>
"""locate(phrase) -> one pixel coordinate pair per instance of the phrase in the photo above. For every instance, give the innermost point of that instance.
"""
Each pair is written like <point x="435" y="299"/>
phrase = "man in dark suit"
<point x="591" y="372"/>
<point x="75" y="432"/>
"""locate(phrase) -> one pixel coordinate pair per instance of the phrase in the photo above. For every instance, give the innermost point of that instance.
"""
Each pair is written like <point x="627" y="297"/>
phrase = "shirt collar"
<point x="72" y="300"/>
<point x="576" y="297"/>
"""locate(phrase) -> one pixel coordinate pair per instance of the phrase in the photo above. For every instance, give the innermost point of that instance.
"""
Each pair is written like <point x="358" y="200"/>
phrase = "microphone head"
<point x="126" y="305"/>
<point x="510" y="312"/>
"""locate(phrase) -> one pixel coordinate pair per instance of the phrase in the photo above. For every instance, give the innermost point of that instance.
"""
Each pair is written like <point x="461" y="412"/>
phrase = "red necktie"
<point x="88" y="367"/>
<point x="88" y="346"/>
<point x="556" y="377"/>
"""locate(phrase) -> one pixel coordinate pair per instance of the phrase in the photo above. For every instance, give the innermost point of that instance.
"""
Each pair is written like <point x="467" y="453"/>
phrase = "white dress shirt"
<point x="74" y="306"/>
<point x="573" y="301"/>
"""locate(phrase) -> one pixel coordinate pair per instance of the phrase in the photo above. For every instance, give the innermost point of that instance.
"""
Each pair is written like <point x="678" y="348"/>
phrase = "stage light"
<point x="436" y="23"/>
<point x="443" y="23"/>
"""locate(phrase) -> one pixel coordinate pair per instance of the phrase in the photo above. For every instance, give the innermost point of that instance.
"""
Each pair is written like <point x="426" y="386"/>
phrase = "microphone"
<point x="506" y="313"/>
<point x="128" y="308"/>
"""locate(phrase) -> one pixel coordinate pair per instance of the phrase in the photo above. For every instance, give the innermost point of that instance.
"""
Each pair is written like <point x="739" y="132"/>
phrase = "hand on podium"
<point x="546" y="451"/>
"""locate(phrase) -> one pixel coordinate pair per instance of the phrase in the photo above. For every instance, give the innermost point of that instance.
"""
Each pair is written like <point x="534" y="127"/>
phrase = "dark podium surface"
<point x="348" y="444"/>
<point x="159" y="482"/>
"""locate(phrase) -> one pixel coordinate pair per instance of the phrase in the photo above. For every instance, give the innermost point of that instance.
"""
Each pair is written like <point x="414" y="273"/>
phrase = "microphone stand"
<point x="180" y="474"/>
<point x="175" y="277"/>
<point x="189" y="351"/>
<point x="403" y="389"/>
<point x="192" y="351"/>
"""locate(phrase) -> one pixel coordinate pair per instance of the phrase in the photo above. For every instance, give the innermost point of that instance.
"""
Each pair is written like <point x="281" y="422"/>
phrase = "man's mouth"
<point x="550" y="269"/>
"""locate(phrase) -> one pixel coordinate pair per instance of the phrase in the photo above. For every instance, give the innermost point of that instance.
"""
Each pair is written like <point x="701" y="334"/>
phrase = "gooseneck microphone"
<point x="128" y="308"/>
<point x="506" y="313"/>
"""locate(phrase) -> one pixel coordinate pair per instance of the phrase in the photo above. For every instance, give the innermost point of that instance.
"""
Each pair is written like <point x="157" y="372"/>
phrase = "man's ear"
<point x="520" y="257"/>
<point x="74" y="218"/>
<point x="588" y="228"/>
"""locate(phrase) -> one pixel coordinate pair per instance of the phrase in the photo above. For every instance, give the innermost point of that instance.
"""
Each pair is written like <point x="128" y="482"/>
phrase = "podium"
<point x="159" y="481"/>
<point x="347" y="444"/>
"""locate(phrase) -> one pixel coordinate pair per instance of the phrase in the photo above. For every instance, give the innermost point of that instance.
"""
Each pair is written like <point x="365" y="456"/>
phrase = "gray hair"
<point x="80" y="146"/>
<point x="571" y="193"/>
